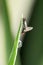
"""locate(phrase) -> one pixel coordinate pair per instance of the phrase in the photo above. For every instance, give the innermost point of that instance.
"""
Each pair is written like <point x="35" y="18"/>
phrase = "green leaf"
<point x="13" y="54"/>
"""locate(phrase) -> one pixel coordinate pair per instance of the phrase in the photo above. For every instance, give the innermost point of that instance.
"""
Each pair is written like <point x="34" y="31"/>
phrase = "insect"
<point x="24" y="30"/>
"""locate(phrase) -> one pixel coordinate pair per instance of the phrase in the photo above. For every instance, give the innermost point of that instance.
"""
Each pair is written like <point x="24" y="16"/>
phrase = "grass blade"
<point x="13" y="54"/>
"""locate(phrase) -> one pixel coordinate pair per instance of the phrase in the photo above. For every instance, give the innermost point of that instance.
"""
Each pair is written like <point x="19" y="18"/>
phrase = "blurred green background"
<point x="32" y="51"/>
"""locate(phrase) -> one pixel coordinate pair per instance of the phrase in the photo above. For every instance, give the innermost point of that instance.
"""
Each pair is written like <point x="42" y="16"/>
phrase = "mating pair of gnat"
<point x="24" y="30"/>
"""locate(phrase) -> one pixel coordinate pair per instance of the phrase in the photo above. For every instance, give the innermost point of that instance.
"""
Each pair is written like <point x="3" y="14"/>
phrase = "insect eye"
<point x="20" y="44"/>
